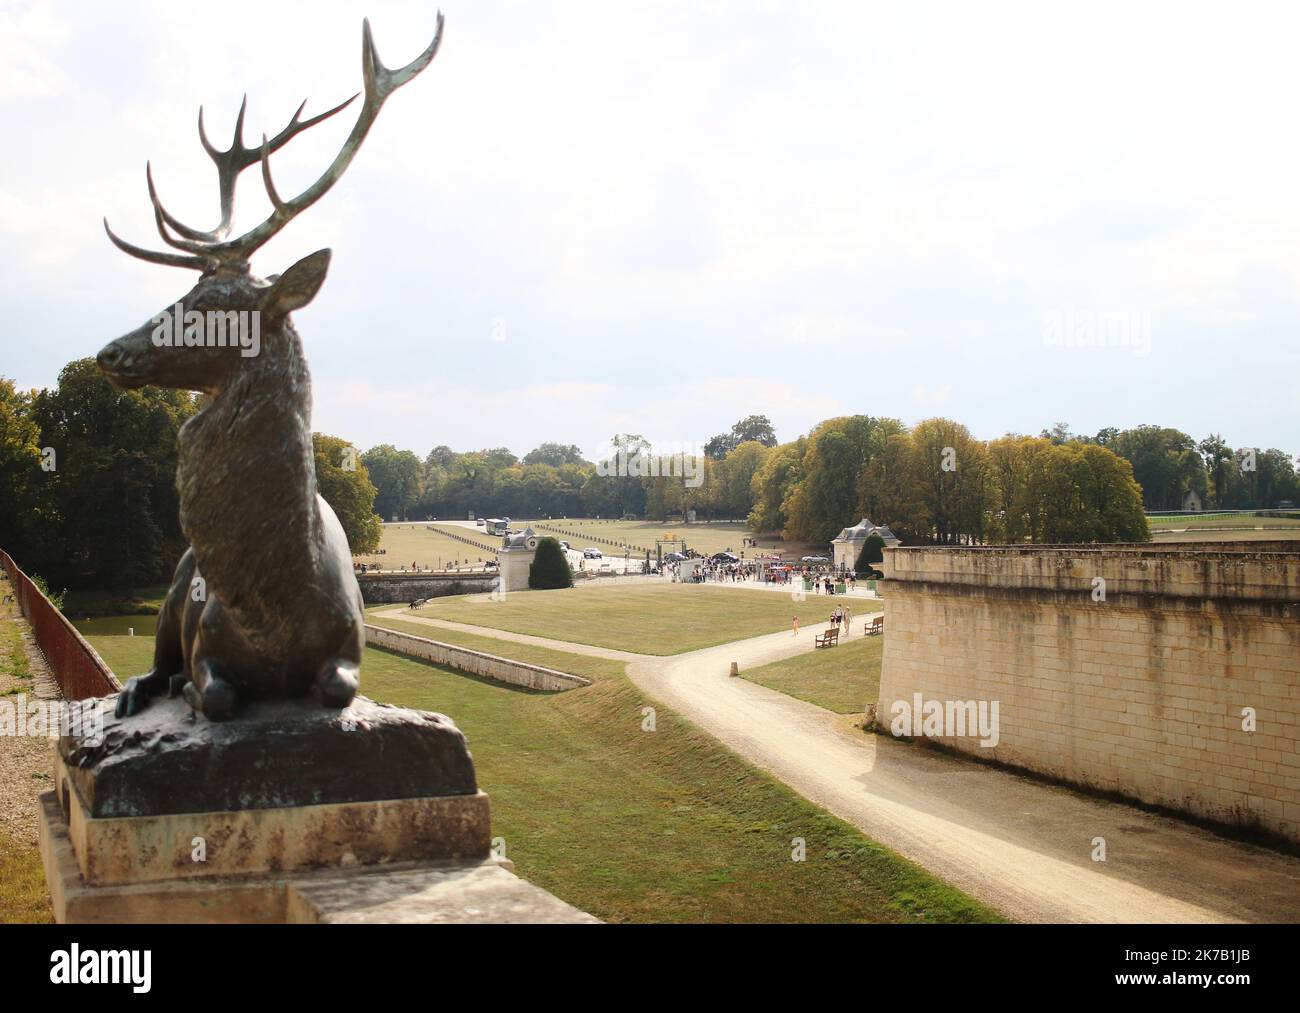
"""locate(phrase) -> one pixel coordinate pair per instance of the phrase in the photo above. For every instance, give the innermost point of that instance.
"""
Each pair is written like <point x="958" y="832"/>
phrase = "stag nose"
<point x="110" y="357"/>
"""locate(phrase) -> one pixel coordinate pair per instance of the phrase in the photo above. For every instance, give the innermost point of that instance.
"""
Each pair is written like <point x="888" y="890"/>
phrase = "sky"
<point x="661" y="217"/>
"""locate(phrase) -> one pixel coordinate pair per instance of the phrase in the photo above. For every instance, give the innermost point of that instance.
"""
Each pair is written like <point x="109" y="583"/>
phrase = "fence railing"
<point x="75" y="665"/>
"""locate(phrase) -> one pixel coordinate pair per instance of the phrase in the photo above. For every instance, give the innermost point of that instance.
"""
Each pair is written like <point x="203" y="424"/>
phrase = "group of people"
<point x="839" y="620"/>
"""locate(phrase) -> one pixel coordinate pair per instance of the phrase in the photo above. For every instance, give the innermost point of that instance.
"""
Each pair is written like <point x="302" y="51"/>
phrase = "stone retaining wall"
<point x="1122" y="668"/>
<point x="489" y="666"/>
<point x="403" y="588"/>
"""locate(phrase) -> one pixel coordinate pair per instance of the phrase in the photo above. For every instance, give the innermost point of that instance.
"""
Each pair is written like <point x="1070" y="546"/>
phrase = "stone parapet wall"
<point x="1140" y="691"/>
<point x="489" y="666"/>
<point x="401" y="588"/>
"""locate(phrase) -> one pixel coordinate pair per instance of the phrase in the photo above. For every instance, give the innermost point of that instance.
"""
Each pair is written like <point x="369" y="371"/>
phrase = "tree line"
<point x="88" y="481"/>
<point x="89" y="495"/>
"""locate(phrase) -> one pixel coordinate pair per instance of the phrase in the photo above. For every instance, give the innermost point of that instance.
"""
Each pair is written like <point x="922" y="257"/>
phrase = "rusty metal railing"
<point x="77" y="667"/>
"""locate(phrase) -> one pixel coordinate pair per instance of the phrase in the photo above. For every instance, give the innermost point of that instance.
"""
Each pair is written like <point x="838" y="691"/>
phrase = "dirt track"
<point x="1018" y="845"/>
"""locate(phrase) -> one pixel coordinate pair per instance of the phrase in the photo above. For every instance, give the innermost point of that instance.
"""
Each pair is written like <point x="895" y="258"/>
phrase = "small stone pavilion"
<point x="847" y="545"/>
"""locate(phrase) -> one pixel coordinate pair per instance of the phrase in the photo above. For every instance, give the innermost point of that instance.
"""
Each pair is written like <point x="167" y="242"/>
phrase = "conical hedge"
<point x="550" y="568"/>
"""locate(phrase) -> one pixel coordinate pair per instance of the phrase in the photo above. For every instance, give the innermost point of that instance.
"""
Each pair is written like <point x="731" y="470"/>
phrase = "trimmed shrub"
<point x="549" y="569"/>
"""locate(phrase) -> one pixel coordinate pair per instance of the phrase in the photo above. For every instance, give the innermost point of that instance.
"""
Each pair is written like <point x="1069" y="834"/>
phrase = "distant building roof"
<point x="864" y="529"/>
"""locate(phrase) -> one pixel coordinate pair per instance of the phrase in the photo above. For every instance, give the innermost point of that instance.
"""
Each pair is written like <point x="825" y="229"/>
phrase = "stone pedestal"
<point x="289" y="813"/>
<point x="515" y="558"/>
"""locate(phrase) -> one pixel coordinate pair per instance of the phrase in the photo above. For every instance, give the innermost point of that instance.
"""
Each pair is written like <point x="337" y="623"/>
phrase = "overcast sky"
<point x="660" y="217"/>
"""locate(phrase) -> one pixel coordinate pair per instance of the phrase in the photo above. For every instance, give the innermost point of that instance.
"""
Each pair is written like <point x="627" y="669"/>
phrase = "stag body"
<point x="264" y="603"/>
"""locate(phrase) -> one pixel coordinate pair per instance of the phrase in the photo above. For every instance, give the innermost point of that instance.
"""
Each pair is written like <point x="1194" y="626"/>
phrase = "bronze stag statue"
<point x="264" y="604"/>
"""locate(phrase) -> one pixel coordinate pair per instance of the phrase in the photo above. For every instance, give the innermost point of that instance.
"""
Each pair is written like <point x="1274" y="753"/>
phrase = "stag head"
<point x="227" y="293"/>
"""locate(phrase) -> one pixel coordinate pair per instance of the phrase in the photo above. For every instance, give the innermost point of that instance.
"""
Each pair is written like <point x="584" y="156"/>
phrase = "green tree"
<point x="346" y="486"/>
<point x="398" y="475"/>
<point x="549" y="569"/>
<point x="554" y="454"/>
<point x="110" y="508"/>
<point x="20" y="470"/>
<point x="838" y="454"/>
<point x="735" y="477"/>
<point x="753" y="429"/>
<point x="773" y="484"/>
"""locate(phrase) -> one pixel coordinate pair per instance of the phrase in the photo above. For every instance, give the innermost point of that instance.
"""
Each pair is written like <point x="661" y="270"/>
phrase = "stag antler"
<point x="207" y="251"/>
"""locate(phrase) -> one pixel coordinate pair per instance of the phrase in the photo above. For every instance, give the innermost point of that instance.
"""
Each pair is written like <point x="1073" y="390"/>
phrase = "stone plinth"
<point x="291" y="812"/>
<point x="410" y="892"/>
<point x="276" y="754"/>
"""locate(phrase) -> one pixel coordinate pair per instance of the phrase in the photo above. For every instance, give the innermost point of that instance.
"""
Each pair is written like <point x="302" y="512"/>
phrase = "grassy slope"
<point x="23" y="898"/>
<point x="664" y="826"/>
<point x="645" y="619"/>
<point x="842" y="679"/>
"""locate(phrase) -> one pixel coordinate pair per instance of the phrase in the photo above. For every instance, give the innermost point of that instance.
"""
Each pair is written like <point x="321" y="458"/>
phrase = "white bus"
<point x="496" y="526"/>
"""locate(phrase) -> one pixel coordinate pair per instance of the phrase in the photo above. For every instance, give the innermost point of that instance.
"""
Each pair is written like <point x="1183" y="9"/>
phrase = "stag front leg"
<point x="337" y="682"/>
<point x="210" y="694"/>
<point x="216" y="645"/>
<point x="338" y="679"/>
<point x="168" y="669"/>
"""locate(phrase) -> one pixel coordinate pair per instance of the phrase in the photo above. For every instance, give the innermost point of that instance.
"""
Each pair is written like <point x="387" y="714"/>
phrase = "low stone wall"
<point x="1132" y="668"/>
<point x="402" y="588"/>
<point x="489" y="666"/>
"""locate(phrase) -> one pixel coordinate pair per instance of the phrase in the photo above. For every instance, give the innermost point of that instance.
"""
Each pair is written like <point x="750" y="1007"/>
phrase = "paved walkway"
<point x="1018" y="845"/>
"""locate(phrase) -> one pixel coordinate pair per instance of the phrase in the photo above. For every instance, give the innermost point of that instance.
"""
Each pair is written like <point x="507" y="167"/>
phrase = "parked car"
<point x="479" y="522"/>
<point x="565" y="546"/>
<point x="724" y="557"/>
<point x="815" y="559"/>
<point x="592" y="553"/>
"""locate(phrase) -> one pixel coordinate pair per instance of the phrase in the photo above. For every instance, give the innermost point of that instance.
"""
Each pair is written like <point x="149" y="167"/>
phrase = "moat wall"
<point x="1136" y="684"/>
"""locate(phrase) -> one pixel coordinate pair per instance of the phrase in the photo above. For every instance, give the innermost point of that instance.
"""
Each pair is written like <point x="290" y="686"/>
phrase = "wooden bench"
<point x="875" y="626"/>
<point x="828" y="639"/>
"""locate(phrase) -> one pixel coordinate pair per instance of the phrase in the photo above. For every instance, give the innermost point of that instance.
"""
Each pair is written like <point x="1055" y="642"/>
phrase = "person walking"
<point x="795" y="624"/>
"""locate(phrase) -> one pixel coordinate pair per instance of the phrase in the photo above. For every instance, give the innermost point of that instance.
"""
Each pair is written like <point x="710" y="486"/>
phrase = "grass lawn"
<point x="415" y="543"/>
<point x="645" y="619"/>
<point x="843" y="679"/>
<point x="636" y="826"/>
<point x="23" y="898"/>
<point x="1205" y="533"/>
<point x="96" y="602"/>
<point x="705" y="538"/>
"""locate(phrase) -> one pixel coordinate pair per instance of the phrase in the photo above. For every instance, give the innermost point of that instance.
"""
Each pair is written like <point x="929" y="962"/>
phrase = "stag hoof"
<point x="216" y="701"/>
<point x="132" y="699"/>
<point x="137" y="693"/>
<point x="337" y="684"/>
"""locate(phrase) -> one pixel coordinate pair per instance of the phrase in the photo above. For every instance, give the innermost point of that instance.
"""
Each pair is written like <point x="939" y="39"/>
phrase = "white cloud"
<point x="652" y="194"/>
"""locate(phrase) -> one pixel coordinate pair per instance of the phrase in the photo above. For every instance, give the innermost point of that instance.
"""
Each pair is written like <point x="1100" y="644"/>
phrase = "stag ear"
<point x="297" y="286"/>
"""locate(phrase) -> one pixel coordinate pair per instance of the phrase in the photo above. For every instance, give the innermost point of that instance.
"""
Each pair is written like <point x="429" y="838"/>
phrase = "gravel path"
<point x="25" y="764"/>
<point x="1019" y="845"/>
